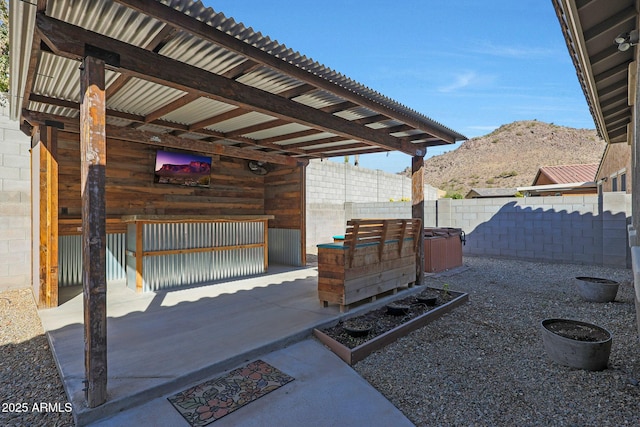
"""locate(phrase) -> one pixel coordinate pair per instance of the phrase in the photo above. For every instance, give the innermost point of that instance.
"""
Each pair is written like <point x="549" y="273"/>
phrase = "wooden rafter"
<point x="163" y="140"/>
<point x="160" y="39"/>
<point x="231" y="114"/>
<point x="315" y="142"/>
<point x="294" y="135"/>
<point x="170" y="107"/>
<point x="70" y="41"/>
<point x="241" y="69"/>
<point x="178" y="129"/>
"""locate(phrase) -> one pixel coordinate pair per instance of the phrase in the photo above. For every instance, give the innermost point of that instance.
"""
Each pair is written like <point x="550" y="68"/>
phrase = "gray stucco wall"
<point x="15" y="205"/>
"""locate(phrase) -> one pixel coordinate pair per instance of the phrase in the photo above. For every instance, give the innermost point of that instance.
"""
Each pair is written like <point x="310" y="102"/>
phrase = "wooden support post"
<point x="44" y="141"/>
<point x="302" y="166"/>
<point x="417" y="211"/>
<point x="94" y="280"/>
<point x="634" y="139"/>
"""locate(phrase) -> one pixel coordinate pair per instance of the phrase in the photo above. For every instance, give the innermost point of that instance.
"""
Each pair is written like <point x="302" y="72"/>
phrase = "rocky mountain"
<point x="511" y="155"/>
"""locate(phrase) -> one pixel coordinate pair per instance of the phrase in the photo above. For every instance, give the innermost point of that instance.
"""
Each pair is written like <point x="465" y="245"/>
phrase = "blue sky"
<point x="471" y="65"/>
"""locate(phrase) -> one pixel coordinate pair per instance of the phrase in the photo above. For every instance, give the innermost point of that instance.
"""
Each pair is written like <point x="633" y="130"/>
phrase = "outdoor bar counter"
<point x="170" y="251"/>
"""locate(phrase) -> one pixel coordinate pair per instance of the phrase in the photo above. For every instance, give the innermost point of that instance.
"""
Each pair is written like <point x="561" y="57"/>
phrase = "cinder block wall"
<point x="338" y="192"/>
<point x="15" y="205"/>
<point x="574" y="229"/>
<point x="331" y="182"/>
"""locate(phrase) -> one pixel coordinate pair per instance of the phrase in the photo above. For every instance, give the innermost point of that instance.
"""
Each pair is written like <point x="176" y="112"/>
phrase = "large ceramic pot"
<point x="595" y="289"/>
<point x="576" y="344"/>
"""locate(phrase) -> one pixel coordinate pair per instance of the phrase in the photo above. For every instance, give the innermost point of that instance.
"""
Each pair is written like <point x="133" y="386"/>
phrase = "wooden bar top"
<point x="194" y="218"/>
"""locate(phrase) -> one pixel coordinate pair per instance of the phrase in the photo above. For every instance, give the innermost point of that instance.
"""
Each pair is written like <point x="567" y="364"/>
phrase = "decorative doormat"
<point x="213" y="399"/>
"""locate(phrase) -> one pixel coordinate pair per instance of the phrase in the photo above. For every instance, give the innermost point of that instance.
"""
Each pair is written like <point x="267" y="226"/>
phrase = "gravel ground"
<point x="484" y="364"/>
<point x="481" y="365"/>
<point x="31" y="392"/>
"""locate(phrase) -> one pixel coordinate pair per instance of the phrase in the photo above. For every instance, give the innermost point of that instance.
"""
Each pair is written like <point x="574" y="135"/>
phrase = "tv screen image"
<point x="185" y="169"/>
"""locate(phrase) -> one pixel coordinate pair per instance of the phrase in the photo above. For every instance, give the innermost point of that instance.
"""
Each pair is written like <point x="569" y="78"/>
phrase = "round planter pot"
<point x="430" y="301"/>
<point x="595" y="289"/>
<point x="397" y="309"/>
<point x="576" y="344"/>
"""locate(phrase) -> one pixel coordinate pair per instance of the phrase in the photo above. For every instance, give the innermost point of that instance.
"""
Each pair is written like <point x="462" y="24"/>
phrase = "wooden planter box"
<point x="377" y="256"/>
<point x="354" y="355"/>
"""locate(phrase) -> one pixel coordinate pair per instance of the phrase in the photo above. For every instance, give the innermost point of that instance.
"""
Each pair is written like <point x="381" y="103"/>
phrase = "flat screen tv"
<point x="179" y="168"/>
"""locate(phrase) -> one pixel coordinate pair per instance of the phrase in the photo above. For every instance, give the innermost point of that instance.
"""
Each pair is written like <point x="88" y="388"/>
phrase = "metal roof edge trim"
<point x="22" y="18"/>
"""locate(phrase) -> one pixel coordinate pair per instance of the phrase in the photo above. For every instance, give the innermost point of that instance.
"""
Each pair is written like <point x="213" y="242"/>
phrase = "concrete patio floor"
<point x="160" y="343"/>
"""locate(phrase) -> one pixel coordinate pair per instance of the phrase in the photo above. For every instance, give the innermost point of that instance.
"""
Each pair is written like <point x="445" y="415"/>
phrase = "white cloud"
<point x="510" y="51"/>
<point x="461" y="81"/>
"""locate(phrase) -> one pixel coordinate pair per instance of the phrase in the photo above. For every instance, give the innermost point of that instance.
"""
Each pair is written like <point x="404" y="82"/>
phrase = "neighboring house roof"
<point x="566" y="174"/>
<point x="478" y="193"/>
<point x="178" y="68"/>
<point x="568" y="188"/>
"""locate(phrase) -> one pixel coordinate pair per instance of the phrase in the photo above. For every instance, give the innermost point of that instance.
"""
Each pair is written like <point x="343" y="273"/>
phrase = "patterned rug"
<point x="212" y="400"/>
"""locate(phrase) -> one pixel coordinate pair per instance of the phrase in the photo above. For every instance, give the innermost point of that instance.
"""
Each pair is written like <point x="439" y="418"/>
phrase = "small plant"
<point x="507" y="174"/>
<point x="445" y="290"/>
<point x="450" y="195"/>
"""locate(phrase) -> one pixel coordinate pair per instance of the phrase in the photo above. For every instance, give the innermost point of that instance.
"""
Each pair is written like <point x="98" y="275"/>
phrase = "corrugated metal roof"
<point x="568" y="173"/>
<point x="146" y="104"/>
<point x="475" y="193"/>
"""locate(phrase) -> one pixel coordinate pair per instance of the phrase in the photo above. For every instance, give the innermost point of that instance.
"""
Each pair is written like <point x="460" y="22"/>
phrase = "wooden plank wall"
<point x="130" y="188"/>
<point x="284" y="197"/>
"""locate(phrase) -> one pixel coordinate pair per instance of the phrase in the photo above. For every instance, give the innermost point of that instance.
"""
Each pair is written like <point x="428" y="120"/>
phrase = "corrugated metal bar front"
<point x="223" y="255"/>
<point x="285" y="247"/>
<point x="70" y="259"/>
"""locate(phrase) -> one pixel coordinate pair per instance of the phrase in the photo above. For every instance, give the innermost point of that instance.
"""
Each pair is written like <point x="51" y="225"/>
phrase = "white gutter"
<point x="558" y="187"/>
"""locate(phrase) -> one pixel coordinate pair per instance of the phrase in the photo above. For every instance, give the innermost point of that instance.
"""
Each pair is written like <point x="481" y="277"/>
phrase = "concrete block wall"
<point x="331" y="182"/>
<point x="387" y="210"/>
<point x="575" y="229"/>
<point x="572" y="229"/>
<point x="15" y="205"/>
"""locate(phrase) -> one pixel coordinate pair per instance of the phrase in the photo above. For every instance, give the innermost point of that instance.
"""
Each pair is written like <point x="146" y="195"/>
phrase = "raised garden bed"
<point x="386" y="327"/>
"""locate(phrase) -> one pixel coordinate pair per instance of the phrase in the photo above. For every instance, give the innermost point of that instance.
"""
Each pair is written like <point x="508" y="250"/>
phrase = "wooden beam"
<point x="297" y="91"/>
<point x="170" y="107"/>
<point x="34" y="61"/>
<point x="257" y="128"/>
<point x="228" y="115"/>
<point x="417" y="211"/>
<point x="201" y="29"/>
<point x="313" y="142"/>
<point x="165" y="140"/>
<point x="635" y="153"/>
<point x="45" y="141"/>
<point x="160" y="39"/>
<point x="93" y="158"/>
<point x="303" y="214"/>
<point x="241" y="69"/>
<point x="300" y="134"/>
<point x="70" y="41"/>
